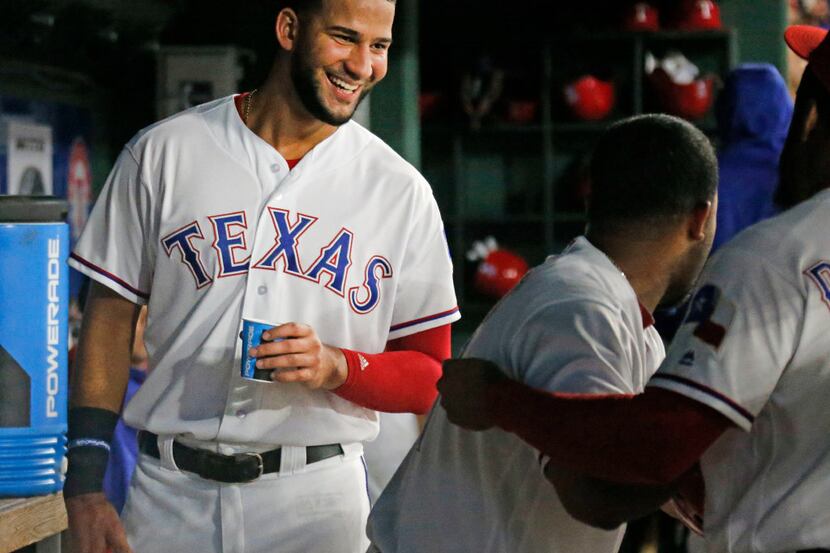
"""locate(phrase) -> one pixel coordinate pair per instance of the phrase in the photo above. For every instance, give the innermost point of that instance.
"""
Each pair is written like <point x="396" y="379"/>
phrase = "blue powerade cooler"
<point x="34" y="297"/>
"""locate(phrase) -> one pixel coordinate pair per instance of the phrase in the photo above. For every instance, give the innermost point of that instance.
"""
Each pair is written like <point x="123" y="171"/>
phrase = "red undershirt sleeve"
<point x="402" y="378"/>
<point x="651" y="438"/>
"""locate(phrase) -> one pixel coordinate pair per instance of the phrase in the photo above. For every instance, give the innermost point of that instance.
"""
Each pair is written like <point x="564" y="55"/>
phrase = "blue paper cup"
<point x="251" y="338"/>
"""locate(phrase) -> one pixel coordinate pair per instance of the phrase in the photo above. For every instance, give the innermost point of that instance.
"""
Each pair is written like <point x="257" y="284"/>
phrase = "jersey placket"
<point x="245" y="396"/>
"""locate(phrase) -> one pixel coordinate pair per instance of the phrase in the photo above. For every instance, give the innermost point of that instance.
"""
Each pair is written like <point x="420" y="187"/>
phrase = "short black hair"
<point x="302" y="7"/>
<point x="650" y="169"/>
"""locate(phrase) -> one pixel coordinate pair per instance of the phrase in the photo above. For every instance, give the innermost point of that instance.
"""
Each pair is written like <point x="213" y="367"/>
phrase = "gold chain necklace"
<point x="248" y="101"/>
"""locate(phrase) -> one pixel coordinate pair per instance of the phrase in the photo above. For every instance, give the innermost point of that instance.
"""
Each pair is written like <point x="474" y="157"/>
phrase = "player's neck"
<point x="646" y="263"/>
<point x="278" y="117"/>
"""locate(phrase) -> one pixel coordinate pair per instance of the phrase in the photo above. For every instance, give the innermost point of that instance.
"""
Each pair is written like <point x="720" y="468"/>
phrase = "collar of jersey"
<point x="648" y="318"/>
<point x="582" y="243"/>
<point x="247" y="148"/>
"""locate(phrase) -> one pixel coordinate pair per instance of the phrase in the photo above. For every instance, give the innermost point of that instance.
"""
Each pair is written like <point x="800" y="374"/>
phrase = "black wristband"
<point x="90" y="435"/>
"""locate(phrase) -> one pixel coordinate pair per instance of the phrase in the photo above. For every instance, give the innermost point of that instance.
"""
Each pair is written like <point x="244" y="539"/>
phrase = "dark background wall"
<point x="112" y="42"/>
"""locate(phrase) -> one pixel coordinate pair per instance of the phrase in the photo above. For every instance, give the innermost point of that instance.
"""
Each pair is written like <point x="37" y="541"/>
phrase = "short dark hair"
<point x="650" y="169"/>
<point x="302" y="7"/>
<point x="299" y="6"/>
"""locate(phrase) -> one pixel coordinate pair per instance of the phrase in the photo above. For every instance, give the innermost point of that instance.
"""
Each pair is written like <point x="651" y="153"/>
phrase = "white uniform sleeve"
<point x="574" y="346"/>
<point x="737" y="338"/>
<point x="425" y="297"/>
<point x="117" y="248"/>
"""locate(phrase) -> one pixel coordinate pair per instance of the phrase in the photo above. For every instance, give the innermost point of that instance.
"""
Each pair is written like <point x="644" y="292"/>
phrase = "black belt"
<point x="241" y="467"/>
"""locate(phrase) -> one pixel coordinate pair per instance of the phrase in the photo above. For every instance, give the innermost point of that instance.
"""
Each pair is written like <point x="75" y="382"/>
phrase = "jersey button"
<point x="275" y="167"/>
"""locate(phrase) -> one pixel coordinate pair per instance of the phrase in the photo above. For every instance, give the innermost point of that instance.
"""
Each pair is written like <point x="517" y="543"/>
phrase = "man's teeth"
<point x="342" y="84"/>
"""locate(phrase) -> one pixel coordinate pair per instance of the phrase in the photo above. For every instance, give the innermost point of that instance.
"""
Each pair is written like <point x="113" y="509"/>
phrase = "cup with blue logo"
<point x="251" y="338"/>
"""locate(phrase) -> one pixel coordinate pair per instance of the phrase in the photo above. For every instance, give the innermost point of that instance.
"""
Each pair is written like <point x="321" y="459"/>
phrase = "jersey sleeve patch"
<point x="712" y="313"/>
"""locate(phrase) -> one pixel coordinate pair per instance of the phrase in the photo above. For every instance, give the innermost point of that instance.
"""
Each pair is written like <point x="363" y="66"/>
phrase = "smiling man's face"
<point x="341" y="54"/>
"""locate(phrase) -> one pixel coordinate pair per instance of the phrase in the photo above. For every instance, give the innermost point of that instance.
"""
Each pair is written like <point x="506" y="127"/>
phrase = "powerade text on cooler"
<point x="34" y="293"/>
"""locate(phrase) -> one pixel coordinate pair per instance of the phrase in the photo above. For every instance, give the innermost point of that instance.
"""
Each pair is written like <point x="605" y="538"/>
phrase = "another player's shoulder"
<point x="579" y="286"/>
<point x="784" y="242"/>
<point x="177" y="129"/>
<point x="580" y="274"/>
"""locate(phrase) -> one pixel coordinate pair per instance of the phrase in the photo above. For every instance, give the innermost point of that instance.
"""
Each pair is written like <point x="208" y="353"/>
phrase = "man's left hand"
<point x="296" y="353"/>
<point x="464" y="392"/>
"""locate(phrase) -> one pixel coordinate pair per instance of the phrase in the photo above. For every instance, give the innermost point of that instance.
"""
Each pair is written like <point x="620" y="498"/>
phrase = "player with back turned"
<point x="745" y="383"/>
<point x="275" y="207"/>
<point x="580" y="322"/>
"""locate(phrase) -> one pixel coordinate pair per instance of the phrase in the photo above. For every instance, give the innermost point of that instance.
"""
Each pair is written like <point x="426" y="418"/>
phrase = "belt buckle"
<point x="260" y="464"/>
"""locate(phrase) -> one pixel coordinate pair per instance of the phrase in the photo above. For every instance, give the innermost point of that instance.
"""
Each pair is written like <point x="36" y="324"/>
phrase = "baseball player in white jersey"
<point x="745" y="384"/>
<point x="271" y="206"/>
<point x="578" y="323"/>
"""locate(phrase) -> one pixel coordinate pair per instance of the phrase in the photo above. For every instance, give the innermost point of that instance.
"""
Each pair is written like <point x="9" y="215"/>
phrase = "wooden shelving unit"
<point x="32" y="520"/>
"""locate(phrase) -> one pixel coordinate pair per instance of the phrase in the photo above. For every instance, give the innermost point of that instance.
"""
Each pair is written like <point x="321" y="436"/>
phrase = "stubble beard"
<point x="309" y="89"/>
<point x="687" y="277"/>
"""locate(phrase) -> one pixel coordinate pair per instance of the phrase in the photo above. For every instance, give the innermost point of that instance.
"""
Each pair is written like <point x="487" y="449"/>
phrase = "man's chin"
<point x="337" y="120"/>
<point x="335" y="117"/>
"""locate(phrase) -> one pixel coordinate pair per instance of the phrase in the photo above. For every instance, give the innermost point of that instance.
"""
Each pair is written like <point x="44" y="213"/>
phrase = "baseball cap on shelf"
<point x="810" y="43"/>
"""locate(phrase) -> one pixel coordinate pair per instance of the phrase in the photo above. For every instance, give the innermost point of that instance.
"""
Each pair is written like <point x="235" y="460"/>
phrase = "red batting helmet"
<point x="589" y="98"/>
<point x="641" y="16"/>
<point x="500" y="271"/>
<point x="690" y="100"/>
<point x="699" y="15"/>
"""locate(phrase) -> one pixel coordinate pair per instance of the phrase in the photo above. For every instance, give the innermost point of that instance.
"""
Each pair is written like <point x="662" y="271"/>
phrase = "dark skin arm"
<point x="468" y="389"/>
<point x="621" y="438"/>
<point x="99" y="379"/>
<point x="604" y="504"/>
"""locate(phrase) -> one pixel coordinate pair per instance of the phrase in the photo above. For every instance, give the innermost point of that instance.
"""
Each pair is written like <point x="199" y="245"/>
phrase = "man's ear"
<point x="286" y="28"/>
<point x="699" y="219"/>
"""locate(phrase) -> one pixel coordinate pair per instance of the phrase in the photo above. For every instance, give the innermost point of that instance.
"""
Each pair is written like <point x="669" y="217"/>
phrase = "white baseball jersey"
<point x="398" y="431"/>
<point x="755" y="347"/>
<point x="203" y="220"/>
<point x="573" y="325"/>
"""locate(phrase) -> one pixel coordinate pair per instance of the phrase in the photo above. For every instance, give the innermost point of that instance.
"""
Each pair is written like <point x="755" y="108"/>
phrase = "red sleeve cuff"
<point x="401" y="379"/>
<point x="393" y="382"/>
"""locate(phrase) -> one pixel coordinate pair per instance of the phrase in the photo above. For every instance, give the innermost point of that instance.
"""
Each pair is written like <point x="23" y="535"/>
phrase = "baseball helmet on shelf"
<point x="696" y="15"/>
<point x="641" y="16"/>
<point x="521" y="111"/>
<point x="498" y="269"/>
<point x="678" y="85"/>
<point x="688" y="100"/>
<point x="590" y="98"/>
<point x="429" y="104"/>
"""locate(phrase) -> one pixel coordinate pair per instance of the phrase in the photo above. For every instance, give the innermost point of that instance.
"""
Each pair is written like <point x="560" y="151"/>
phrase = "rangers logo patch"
<point x="712" y="314"/>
